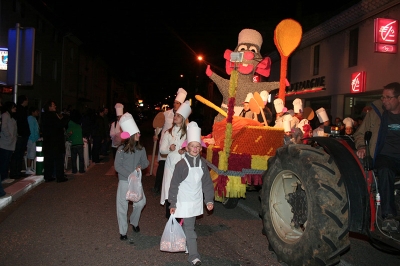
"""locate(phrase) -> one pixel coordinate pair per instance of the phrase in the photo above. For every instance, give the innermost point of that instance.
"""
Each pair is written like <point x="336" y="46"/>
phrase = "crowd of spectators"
<point x="21" y="126"/>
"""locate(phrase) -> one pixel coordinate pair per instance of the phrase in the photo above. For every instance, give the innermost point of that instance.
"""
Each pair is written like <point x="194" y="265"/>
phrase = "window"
<point x="353" y="47"/>
<point x="315" y="60"/>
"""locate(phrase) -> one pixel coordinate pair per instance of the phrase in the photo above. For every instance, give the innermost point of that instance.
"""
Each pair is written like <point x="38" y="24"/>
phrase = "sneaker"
<point x="196" y="262"/>
<point x="389" y="224"/>
<point x="29" y="172"/>
<point x="8" y="181"/>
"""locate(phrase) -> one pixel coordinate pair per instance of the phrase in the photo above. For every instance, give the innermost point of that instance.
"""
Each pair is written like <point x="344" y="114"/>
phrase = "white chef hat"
<point x="119" y="109"/>
<point x="250" y="36"/>
<point x="193" y="132"/>
<point x="302" y="123"/>
<point x="180" y="95"/>
<point x="278" y="104"/>
<point x="248" y="97"/>
<point x="128" y="126"/>
<point x="321" y="114"/>
<point x="297" y="105"/>
<point x="286" y="126"/>
<point x="184" y="109"/>
<point x="348" y="121"/>
<point x="264" y="96"/>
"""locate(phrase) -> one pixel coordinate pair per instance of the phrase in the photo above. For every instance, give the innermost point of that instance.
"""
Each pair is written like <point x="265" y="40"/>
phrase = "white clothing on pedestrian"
<point x="172" y="158"/>
<point x="190" y="195"/>
<point x="169" y="121"/>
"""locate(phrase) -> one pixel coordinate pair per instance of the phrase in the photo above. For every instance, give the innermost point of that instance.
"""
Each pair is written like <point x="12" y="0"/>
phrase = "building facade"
<point x="64" y="69"/>
<point x="343" y="63"/>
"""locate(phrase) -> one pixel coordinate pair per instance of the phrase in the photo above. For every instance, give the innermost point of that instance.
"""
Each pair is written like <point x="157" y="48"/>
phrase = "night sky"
<point x="154" y="43"/>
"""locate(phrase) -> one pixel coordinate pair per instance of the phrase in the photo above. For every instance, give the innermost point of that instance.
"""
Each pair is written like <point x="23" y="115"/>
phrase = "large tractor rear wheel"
<point x="305" y="207"/>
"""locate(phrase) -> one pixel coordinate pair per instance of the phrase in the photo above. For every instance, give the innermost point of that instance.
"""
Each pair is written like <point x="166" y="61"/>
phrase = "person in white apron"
<point x="169" y="116"/>
<point x="171" y="145"/>
<point x="190" y="180"/>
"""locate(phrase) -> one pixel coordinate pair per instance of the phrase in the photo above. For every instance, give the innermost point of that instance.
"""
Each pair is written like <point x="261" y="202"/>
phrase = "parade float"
<point x="241" y="147"/>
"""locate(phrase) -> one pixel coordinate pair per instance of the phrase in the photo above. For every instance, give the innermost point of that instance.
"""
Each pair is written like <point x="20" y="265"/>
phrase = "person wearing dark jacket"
<point x="384" y="123"/>
<point x="23" y="134"/>
<point x="52" y="127"/>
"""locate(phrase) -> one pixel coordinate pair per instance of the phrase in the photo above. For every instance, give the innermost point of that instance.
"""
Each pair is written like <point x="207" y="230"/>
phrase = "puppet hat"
<point x="264" y="96"/>
<point x="119" y="109"/>
<point x="128" y="126"/>
<point x="278" y="104"/>
<point x="180" y="95"/>
<point x="321" y="114"/>
<point x="297" y="105"/>
<point x="286" y="126"/>
<point x="248" y="97"/>
<point x="348" y="121"/>
<point x="302" y="123"/>
<point x="184" y="109"/>
<point x="250" y="36"/>
<point x="193" y="132"/>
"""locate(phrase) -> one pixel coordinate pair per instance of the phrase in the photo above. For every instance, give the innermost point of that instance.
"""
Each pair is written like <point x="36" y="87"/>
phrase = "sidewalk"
<point x="21" y="186"/>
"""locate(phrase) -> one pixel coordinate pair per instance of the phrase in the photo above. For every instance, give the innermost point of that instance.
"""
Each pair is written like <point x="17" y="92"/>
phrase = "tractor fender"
<point x="353" y="176"/>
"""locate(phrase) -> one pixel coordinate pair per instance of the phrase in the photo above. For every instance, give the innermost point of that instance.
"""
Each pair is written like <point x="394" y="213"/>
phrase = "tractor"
<point x="314" y="195"/>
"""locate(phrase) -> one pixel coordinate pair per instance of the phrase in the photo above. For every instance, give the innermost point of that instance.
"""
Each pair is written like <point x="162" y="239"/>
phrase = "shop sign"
<point x="386" y="35"/>
<point x="358" y="82"/>
<point x="307" y="86"/>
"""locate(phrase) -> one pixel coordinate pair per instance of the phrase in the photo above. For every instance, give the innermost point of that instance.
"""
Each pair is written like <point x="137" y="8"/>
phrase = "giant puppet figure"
<point x="249" y="44"/>
<point x="239" y="146"/>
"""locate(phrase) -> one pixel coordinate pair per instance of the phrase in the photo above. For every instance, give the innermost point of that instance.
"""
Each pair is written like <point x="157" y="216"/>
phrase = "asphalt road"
<point x="74" y="223"/>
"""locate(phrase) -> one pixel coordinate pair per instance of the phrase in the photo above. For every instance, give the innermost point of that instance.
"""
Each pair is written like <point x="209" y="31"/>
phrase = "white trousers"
<point x="122" y="208"/>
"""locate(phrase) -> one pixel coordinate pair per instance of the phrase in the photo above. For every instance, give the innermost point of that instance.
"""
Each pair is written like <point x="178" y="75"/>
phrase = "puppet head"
<point x="249" y="44"/>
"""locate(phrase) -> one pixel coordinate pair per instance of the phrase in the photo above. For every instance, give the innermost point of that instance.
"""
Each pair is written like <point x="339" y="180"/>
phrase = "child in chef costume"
<point x="130" y="156"/>
<point x="171" y="145"/>
<point x="190" y="180"/>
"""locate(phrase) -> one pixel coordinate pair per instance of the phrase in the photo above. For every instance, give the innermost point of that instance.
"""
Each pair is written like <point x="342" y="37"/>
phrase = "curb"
<point x="16" y="190"/>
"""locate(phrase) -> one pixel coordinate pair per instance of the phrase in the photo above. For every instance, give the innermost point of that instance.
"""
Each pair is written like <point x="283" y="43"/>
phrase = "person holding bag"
<point x="191" y="179"/>
<point x="171" y="145"/>
<point x="130" y="156"/>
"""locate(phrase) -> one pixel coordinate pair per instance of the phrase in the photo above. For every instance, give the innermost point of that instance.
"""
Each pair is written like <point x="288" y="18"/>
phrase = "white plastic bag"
<point x="135" y="189"/>
<point x="173" y="239"/>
